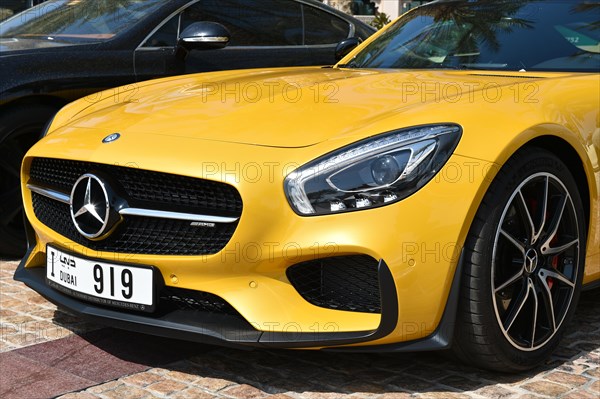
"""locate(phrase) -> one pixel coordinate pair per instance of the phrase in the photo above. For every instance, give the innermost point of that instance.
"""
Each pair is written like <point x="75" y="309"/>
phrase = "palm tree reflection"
<point x="474" y="35"/>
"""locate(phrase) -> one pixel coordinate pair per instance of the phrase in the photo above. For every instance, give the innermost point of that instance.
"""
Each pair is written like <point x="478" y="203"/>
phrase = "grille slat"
<point x="348" y="283"/>
<point x="138" y="235"/>
<point x="153" y="190"/>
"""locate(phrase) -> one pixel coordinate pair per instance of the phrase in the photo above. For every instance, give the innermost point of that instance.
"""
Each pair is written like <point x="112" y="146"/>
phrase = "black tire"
<point x="20" y="128"/>
<point x="518" y="293"/>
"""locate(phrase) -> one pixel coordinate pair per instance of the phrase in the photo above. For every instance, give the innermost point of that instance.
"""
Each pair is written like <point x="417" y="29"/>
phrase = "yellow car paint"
<point x="252" y="128"/>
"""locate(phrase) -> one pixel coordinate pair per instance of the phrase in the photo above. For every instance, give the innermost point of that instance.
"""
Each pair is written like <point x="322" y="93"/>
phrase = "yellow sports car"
<point x="437" y="188"/>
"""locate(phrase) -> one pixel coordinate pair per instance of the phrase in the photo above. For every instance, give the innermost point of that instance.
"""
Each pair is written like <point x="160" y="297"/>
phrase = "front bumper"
<point x="416" y="241"/>
<point x="225" y="330"/>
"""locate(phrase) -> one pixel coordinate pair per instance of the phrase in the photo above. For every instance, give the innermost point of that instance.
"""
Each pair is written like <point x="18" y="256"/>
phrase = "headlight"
<point x="374" y="172"/>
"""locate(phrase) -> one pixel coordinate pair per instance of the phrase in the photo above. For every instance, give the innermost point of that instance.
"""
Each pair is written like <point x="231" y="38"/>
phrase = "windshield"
<point x="77" y="21"/>
<point x="494" y="35"/>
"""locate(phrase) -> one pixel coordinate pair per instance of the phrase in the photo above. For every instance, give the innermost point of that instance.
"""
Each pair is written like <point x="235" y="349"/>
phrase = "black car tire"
<point x="20" y="128"/>
<point x="518" y="291"/>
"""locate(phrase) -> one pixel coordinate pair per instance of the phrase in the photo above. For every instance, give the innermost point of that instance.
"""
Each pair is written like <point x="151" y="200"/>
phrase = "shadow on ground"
<point x="334" y="373"/>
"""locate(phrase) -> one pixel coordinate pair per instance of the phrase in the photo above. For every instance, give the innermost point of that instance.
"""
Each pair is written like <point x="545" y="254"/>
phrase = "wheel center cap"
<point x="531" y="260"/>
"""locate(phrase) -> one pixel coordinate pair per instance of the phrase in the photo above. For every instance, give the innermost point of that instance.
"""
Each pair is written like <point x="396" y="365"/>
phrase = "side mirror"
<point x="345" y="47"/>
<point x="204" y="36"/>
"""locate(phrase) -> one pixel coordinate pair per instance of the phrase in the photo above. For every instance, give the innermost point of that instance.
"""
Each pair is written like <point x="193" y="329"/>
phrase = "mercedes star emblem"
<point x="90" y="206"/>
<point x="531" y="261"/>
<point x="111" y="138"/>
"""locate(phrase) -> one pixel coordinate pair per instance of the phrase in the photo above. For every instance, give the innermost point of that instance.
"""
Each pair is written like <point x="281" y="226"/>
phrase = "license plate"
<point x="109" y="284"/>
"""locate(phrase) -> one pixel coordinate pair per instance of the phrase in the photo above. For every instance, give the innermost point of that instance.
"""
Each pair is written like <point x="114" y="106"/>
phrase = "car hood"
<point x="287" y="107"/>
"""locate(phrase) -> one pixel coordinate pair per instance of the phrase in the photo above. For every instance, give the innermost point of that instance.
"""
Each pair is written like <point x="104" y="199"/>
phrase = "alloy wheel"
<point x="535" y="261"/>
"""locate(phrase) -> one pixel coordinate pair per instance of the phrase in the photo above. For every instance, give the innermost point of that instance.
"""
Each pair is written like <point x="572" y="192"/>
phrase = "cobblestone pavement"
<point x="27" y="318"/>
<point x="31" y="328"/>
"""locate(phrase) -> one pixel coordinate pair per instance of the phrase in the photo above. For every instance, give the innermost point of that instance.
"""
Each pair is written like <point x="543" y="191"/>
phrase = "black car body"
<point x="46" y="63"/>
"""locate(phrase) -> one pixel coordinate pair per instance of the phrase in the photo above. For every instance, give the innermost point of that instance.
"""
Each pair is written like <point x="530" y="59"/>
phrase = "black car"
<point x="62" y="50"/>
<point x="16" y="6"/>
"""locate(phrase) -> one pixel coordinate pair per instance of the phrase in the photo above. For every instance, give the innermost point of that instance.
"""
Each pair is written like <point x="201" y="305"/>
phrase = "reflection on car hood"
<point x="287" y="107"/>
<point x="11" y="44"/>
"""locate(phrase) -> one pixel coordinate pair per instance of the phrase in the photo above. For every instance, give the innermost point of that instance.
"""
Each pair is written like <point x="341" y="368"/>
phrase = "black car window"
<point x="78" y="21"/>
<point x="251" y="22"/>
<point x="321" y="27"/>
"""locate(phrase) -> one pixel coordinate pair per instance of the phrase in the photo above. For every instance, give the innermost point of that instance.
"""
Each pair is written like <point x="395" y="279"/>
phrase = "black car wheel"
<point x="20" y="128"/>
<point x="524" y="265"/>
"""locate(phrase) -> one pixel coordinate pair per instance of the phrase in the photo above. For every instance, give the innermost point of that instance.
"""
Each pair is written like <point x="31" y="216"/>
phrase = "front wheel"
<point x="20" y="128"/>
<point x="524" y="264"/>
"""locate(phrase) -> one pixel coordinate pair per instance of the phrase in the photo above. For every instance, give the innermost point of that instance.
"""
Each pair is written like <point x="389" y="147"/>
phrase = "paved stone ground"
<point x="37" y="340"/>
<point x="27" y="318"/>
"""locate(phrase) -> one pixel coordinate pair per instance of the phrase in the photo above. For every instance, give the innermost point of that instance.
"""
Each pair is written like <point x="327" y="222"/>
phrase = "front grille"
<point x="138" y="235"/>
<point x="148" y="190"/>
<point x="188" y="300"/>
<point x="343" y="283"/>
<point x="143" y="187"/>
